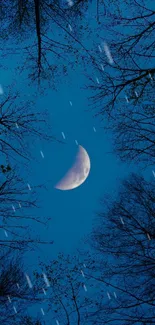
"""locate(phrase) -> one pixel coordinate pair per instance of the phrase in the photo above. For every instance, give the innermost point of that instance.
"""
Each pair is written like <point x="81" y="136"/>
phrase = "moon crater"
<point x="78" y="173"/>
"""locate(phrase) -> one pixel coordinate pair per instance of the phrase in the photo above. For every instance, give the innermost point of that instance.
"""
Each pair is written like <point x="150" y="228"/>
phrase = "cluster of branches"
<point x="18" y="205"/>
<point x="53" y="32"/>
<point x="15" y="294"/>
<point x="20" y="125"/>
<point x="50" y="36"/>
<point x="116" y="283"/>
<point x="125" y="94"/>
<point x="71" y="295"/>
<point x="124" y="240"/>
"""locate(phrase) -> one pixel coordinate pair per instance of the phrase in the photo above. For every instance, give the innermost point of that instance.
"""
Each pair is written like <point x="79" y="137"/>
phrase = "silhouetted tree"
<point x="20" y="125"/>
<point x="125" y="92"/>
<point x="27" y="320"/>
<point x="15" y="294"/>
<point x="71" y="295"/>
<point x="124" y="240"/>
<point x="49" y="34"/>
<point x="17" y="210"/>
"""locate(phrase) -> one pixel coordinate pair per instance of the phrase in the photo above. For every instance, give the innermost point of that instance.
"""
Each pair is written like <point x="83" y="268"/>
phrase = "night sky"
<point x="72" y="212"/>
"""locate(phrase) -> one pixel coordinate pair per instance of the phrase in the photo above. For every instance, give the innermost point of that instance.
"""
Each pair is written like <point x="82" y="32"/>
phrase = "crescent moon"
<point x="78" y="172"/>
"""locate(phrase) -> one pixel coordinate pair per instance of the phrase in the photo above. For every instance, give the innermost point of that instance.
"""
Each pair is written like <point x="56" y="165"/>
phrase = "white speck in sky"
<point x="76" y="142"/>
<point x="17" y="126"/>
<point x="84" y="265"/>
<point x="5" y="232"/>
<point x="153" y="173"/>
<point x="13" y="208"/>
<point x="42" y="154"/>
<point x="102" y="67"/>
<point x="136" y="94"/>
<point x="148" y="236"/>
<point x="97" y="80"/>
<point x="9" y="299"/>
<point x="71" y="103"/>
<point x="46" y="280"/>
<point x="82" y="273"/>
<point x="70" y="27"/>
<point x="1" y="90"/>
<point x="29" y="187"/>
<point x="108" y="295"/>
<point x="122" y="221"/>
<point x="18" y="285"/>
<point x="127" y="99"/>
<point x="19" y="205"/>
<point x="107" y="52"/>
<point x="100" y="48"/>
<point x="44" y="291"/>
<point x="94" y="129"/>
<point x="70" y="3"/>
<point x="57" y="322"/>
<point x="28" y="281"/>
<point x="63" y="135"/>
<point x="42" y="311"/>
<point x="85" y="288"/>
<point x="150" y="76"/>
<point x="15" y="310"/>
<point x="115" y="295"/>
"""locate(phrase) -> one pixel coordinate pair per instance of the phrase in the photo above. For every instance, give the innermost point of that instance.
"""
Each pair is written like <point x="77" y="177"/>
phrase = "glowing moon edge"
<point x="78" y="173"/>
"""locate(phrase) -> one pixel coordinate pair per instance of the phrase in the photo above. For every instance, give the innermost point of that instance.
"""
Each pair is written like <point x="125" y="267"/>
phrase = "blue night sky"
<point x="72" y="212"/>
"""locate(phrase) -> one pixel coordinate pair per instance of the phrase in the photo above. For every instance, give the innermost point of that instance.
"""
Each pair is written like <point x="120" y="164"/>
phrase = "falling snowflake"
<point x="1" y="90"/>
<point x="44" y="291"/>
<point x="13" y="208"/>
<point x="42" y="311"/>
<point x="63" y="135"/>
<point x="115" y="295"/>
<point x="136" y="94"/>
<point x="28" y="281"/>
<point x="107" y="52"/>
<point x="42" y="154"/>
<point x="150" y="76"/>
<point x="70" y="3"/>
<point x="122" y="221"/>
<point x="148" y="236"/>
<point x="9" y="299"/>
<point x="29" y="187"/>
<point x="57" y="322"/>
<point x="97" y="80"/>
<point x="70" y="27"/>
<point x="127" y="99"/>
<point x="85" y="288"/>
<point x="100" y="48"/>
<point x="82" y="273"/>
<point x="5" y="232"/>
<point x="46" y="280"/>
